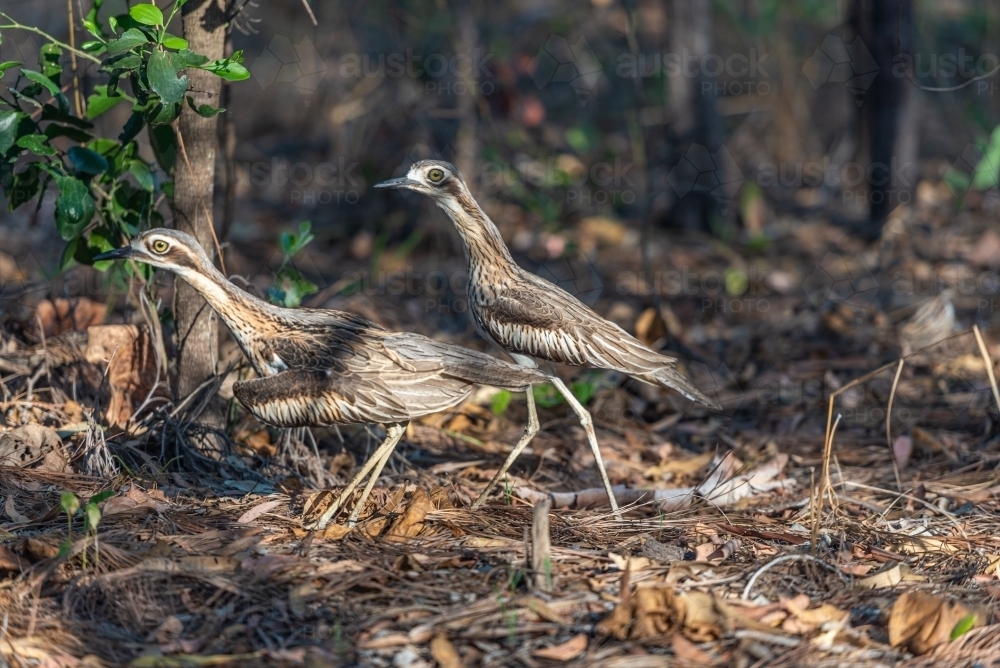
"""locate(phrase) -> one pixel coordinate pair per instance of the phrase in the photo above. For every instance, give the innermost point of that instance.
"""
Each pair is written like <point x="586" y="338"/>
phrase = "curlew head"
<point x="167" y="249"/>
<point x="435" y="178"/>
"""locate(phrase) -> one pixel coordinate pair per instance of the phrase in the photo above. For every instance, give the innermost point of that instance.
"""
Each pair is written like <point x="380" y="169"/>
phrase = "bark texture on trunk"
<point x="194" y="181"/>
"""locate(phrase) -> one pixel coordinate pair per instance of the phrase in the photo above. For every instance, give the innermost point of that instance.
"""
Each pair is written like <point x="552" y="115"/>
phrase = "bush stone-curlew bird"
<point x="530" y="318"/>
<point x="321" y="367"/>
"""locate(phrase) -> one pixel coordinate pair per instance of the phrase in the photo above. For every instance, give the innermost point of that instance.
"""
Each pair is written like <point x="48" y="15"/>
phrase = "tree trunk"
<point x="886" y="27"/>
<point x="194" y="180"/>
<point x="694" y="121"/>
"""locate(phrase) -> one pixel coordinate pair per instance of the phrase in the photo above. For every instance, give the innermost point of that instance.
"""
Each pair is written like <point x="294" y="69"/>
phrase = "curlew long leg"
<point x="529" y="432"/>
<point x="359" y="506"/>
<point x="588" y="425"/>
<point x="393" y="433"/>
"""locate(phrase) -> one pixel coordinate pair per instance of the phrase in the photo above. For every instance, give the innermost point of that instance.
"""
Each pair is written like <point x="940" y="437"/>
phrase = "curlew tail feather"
<point x="675" y="380"/>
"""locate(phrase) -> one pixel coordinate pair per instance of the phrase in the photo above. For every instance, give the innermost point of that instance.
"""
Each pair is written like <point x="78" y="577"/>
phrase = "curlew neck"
<point x="481" y="238"/>
<point x="243" y="313"/>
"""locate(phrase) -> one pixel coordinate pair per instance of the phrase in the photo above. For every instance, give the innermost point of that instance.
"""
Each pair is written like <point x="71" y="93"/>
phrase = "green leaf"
<point x="99" y="102"/>
<point x="93" y="46"/>
<point x="229" y="69"/>
<point x="500" y="402"/>
<point x="48" y="57"/>
<point x="149" y="15"/>
<point x="38" y="77"/>
<point x="546" y="395"/>
<point x="113" y="22"/>
<point x="131" y="38"/>
<point x="163" y="78"/>
<point x="174" y="42"/>
<point x="69" y="503"/>
<point x="51" y="113"/>
<point x="37" y="144"/>
<point x="204" y="110"/>
<point x="101" y="497"/>
<point x="53" y="130"/>
<point x="64" y="548"/>
<point x="583" y="391"/>
<point x="68" y="254"/>
<point x="23" y="187"/>
<point x="187" y="58"/>
<point x="964" y="625"/>
<point x="86" y="161"/>
<point x="93" y="516"/>
<point x="91" y="25"/>
<point x="143" y="176"/>
<point x="9" y="65"/>
<point x="163" y="141"/>
<point x="133" y="126"/>
<point x="8" y="129"/>
<point x="74" y="207"/>
<point x="162" y="114"/>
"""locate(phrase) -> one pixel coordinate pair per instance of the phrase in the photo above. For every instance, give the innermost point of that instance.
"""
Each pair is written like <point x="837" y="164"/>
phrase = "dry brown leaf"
<point x="258" y="510"/>
<point x="920" y="622"/>
<point x="190" y="565"/>
<point x="483" y="541"/>
<point x="441" y="498"/>
<point x="32" y="444"/>
<point x="259" y="442"/>
<point x="167" y="631"/>
<point x="685" y="467"/>
<point x="343" y="461"/>
<point x="542" y="609"/>
<point x="685" y="650"/>
<point x="68" y="315"/>
<point x="444" y="652"/>
<point x="128" y="352"/>
<point x="411" y="522"/>
<point x="12" y="511"/>
<point x="567" y="651"/>
<point x="335" y="531"/>
<point x="8" y="560"/>
<point x="632" y="564"/>
<point x="650" y="327"/>
<point x="299" y="597"/>
<point x="716" y="551"/>
<point x="889" y="577"/>
<point x="699" y="616"/>
<point x="925" y="442"/>
<point x="383" y="642"/>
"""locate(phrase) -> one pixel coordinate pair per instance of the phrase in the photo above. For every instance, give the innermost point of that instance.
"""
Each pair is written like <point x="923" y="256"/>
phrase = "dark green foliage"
<point x="106" y="192"/>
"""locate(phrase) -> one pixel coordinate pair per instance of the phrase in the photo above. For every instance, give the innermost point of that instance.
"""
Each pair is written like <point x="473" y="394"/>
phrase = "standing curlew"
<point x="531" y="318"/>
<point x="321" y="367"/>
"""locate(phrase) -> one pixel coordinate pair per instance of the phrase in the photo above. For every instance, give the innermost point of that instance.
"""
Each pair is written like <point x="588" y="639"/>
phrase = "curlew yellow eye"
<point x="435" y="175"/>
<point x="160" y="246"/>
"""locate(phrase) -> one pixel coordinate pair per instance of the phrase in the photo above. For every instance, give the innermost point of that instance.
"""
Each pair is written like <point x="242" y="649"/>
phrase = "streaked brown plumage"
<point x="322" y="367"/>
<point x="530" y="317"/>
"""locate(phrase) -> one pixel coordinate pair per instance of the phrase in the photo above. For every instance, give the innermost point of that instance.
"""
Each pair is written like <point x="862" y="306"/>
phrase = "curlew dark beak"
<point x="403" y="182"/>
<point x="116" y="254"/>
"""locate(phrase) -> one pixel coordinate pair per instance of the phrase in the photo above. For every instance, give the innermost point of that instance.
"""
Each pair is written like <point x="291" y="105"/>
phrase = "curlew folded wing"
<point x="468" y="365"/>
<point x="537" y="318"/>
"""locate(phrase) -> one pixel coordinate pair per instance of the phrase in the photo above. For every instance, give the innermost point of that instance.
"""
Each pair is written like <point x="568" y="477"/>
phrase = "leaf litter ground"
<point x="745" y="542"/>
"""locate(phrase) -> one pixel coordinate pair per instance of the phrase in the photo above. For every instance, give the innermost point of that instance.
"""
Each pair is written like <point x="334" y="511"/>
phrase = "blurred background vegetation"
<point x="580" y="126"/>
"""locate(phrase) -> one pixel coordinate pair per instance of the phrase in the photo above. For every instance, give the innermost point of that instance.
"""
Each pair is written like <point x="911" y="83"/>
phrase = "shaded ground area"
<point x="745" y="543"/>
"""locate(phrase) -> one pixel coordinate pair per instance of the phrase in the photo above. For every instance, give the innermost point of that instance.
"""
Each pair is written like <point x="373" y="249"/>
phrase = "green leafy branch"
<point x="106" y="190"/>
<point x="289" y="285"/>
